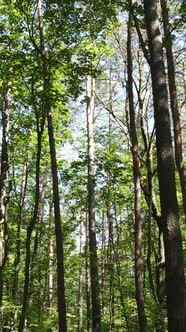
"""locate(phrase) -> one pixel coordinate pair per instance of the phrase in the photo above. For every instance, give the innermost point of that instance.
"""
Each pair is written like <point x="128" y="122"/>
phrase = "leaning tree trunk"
<point x="137" y="190"/>
<point x="174" y="103"/>
<point x="169" y="208"/>
<point x="95" y="289"/>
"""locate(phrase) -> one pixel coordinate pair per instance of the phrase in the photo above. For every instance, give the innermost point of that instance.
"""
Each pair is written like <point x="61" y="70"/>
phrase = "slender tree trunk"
<point x="143" y="99"/>
<point x="175" y="284"/>
<point x="184" y="75"/>
<point x="118" y="274"/>
<point x="174" y="103"/>
<point x="29" y="233"/>
<point x="137" y="189"/>
<point x="4" y="191"/>
<point x="95" y="290"/>
<point x="110" y="214"/>
<point x="38" y="234"/>
<point x="57" y="216"/>
<point x="153" y="212"/>
<point x="18" y="236"/>
<point x="148" y="148"/>
<point x="37" y="238"/>
<point x="111" y="267"/>
<point x="88" y="286"/>
<point x="40" y="121"/>
<point x="80" y="287"/>
<point x="51" y="264"/>
<point x="161" y="274"/>
<point x="58" y="230"/>
<point x="103" y="261"/>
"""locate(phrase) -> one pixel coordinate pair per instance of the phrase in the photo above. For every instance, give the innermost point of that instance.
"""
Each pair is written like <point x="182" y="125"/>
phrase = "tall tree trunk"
<point x="18" y="233"/>
<point x="153" y="211"/>
<point x="160" y="272"/>
<point x="3" y="189"/>
<point x="137" y="190"/>
<point x="103" y="260"/>
<point x="95" y="289"/>
<point x="110" y="214"/>
<point x="58" y="230"/>
<point x="184" y="75"/>
<point x="118" y="273"/>
<point x="29" y="232"/>
<point x="62" y="321"/>
<point x="40" y="122"/>
<point x="111" y="267"/>
<point x="50" y="263"/>
<point x="169" y="209"/>
<point x="38" y="235"/>
<point x="88" y="286"/>
<point x="148" y="148"/>
<point x="174" y="103"/>
<point x="80" y="287"/>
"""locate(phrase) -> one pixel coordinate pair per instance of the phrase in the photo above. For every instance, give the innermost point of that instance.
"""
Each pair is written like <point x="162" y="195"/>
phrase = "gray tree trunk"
<point x="4" y="190"/>
<point x="169" y="209"/>
<point x="95" y="288"/>
<point x="174" y="104"/>
<point x="137" y="192"/>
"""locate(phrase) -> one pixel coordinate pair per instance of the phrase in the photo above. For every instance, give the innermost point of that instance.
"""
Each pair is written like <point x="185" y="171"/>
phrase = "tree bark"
<point x="3" y="188"/>
<point x="50" y="263"/>
<point x="95" y="289"/>
<point x="88" y="286"/>
<point x="103" y="260"/>
<point x="118" y="273"/>
<point x="174" y="104"/>
<point x="166" y="174"/>
<point x="137" y="190"/>
<point x="62" y="321"/>
<point x="110" y="213"/>
<point x="80" y="286"/>
<point x="38" y="233"/>
<point x="18" y="235"/>
<point x="58" y="230"/>
<point x="29" y="233"/>
<point x="111" y="266"/>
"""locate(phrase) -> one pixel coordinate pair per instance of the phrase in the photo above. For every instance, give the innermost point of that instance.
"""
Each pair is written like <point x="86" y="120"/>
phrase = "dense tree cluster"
<point x="92" y="168"/>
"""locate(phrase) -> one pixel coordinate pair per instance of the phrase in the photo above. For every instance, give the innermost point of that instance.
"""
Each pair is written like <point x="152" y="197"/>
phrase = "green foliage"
<point x="80" y="39"/>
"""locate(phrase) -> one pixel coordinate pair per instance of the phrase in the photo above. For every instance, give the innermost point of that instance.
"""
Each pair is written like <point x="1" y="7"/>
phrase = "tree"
<point x="72" y="190"/>
<point x="95" y="292"/>
<point x="174" y="102"/>
<point x="4" y="183"/>
<point x="169" y="209"/>
<point x="55" y="185"/>
<point x="137" y="191"/>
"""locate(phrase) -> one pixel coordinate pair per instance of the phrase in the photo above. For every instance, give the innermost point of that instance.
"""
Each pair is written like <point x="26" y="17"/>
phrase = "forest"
<point x="92" y="165"/>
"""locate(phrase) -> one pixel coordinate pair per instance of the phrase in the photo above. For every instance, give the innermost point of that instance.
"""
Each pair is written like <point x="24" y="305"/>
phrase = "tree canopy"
<point x="92" y="168"/>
